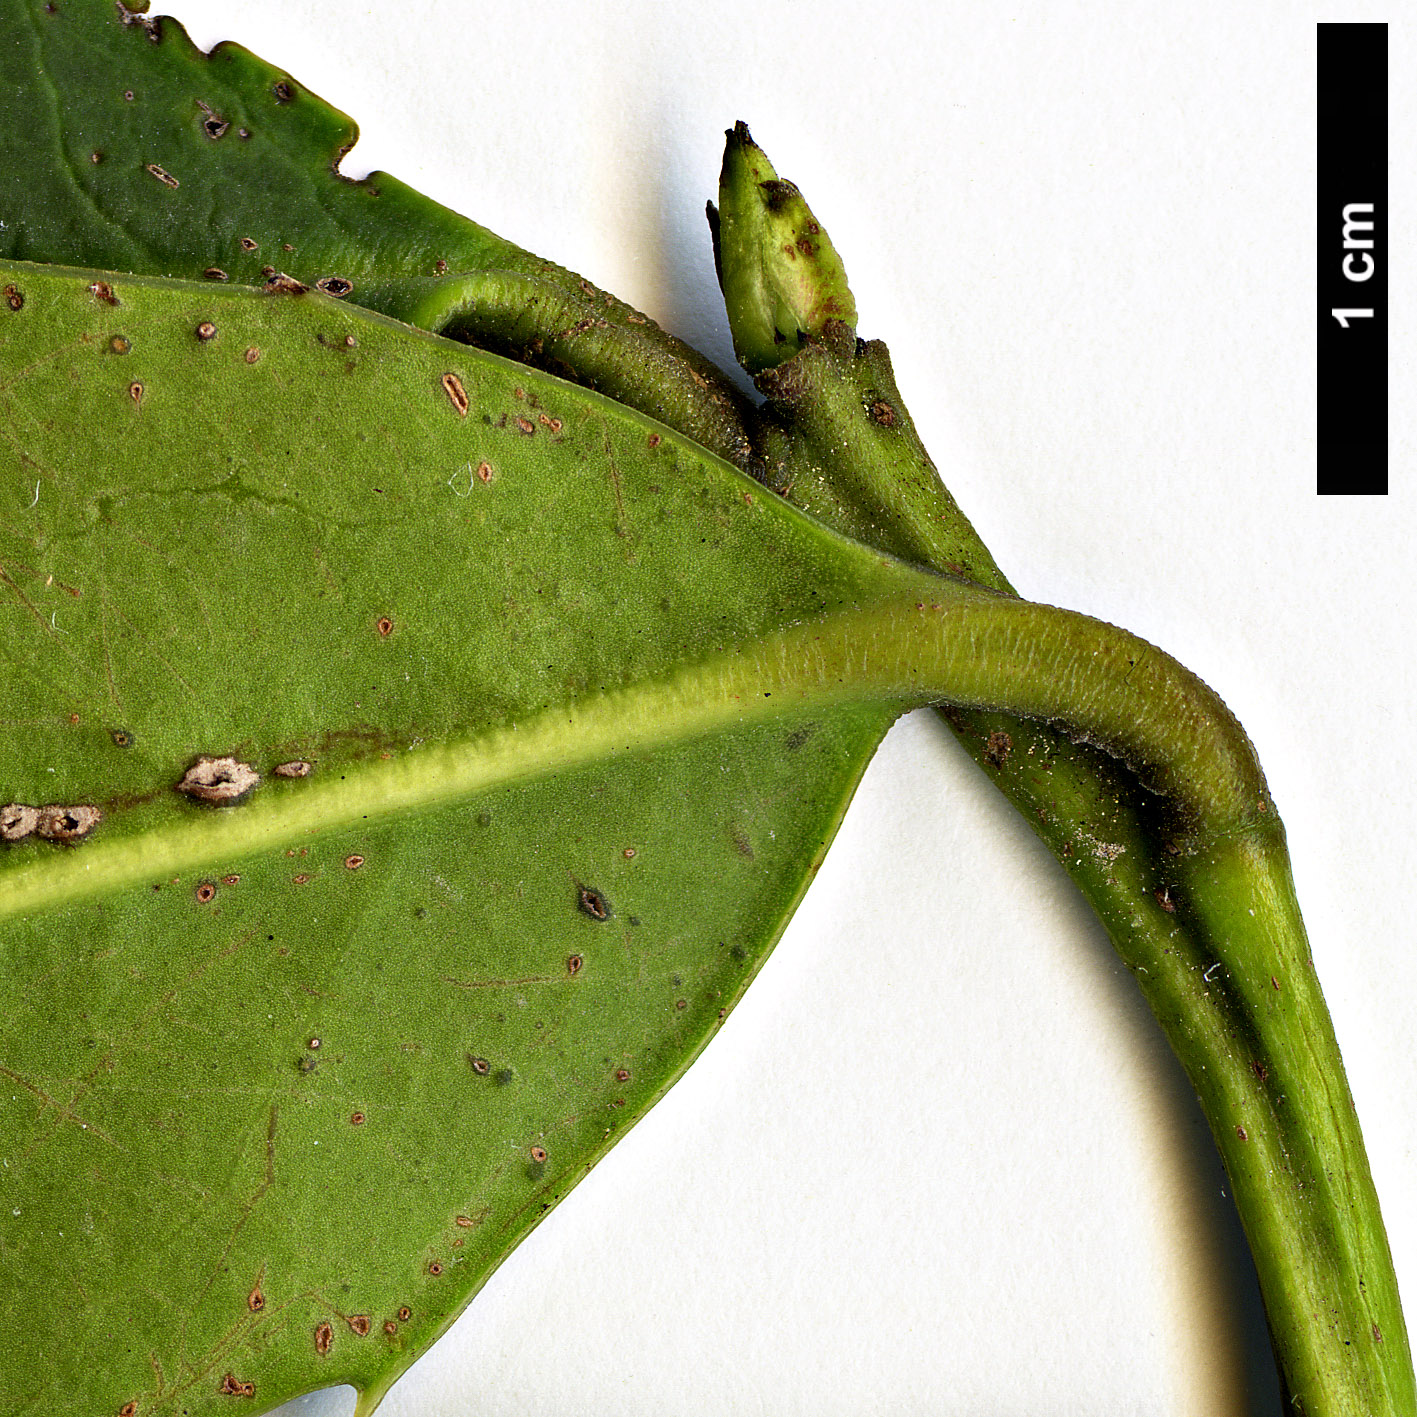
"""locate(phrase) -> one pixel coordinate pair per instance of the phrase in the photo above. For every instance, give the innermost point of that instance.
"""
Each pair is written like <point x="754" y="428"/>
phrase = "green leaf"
<point x="287" y="541"/>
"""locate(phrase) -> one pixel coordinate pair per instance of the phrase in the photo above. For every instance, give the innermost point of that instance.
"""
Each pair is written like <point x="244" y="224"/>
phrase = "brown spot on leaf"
<point x="120" y="344"/>
<point x="284" y="91"/>
<point x="881" y="412"/>
<point x="95" y="157"/>
<point x="356" y="1119"/>
<point x="282" y="284"/>
<point x="255" y="1300"/>
<point x="129" y="1409"/>
<point x="592" y="902"/>
<point x="313" y="1044"/>
<point x="681" y="1003"/>
<point x="484" y="471"/>
<point x="247" y="244"/>
<point x="480" y="1066"/>
<point x="359" y="1325"/>
<point x="457" y="395"/>
<point x="101" y="290"/>
<point x="17" y="821"/>
<point x="390" y="1327"/>
<point x="67" y="823"/>
<point x="205" y="893"/>
<point x="538" y="1154"/>
<point x="206" y="331"/>
<point x="526" y="425"/>
<point x="14" y="297"/>
<point x="337" y="286"/>
<point x="1259" y="1070"/>
<point x="252" y="355"/>
<point x="215" y="273"/>
<point x="214" y="127"/>
<point x="1163" y="899"/>
<point x="301" y="880"/>
<point x="622" y="1074"/>
<point x="654" y="440"/>
<point x="162" y="175"/>
<point x="435" y="1268"/>
<point x="298" y="768"/>
<point x="353" y="863"/>
<point x="324" y="1336"/>
<point x="230" y="880"/>
<point x="385" y="626"/>
<point x="234" y="1387"/>
<point x="573" y="965"/>
<point x="136" y="391"/>
<point x="997" y="748"/>
<point x="128" y="95"/>
<point x="1242" y="1134"/>
<point x="405" y="1314"/>
<point x="218" y="781"/>
<point x="440" y="267"/>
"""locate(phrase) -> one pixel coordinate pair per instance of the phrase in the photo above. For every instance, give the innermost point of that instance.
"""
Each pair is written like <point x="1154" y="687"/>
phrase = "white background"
<point x="940" y="1160"/>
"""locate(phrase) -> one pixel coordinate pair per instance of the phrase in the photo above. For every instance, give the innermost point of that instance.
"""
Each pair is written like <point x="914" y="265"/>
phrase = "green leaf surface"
<point x="262" y="526"/>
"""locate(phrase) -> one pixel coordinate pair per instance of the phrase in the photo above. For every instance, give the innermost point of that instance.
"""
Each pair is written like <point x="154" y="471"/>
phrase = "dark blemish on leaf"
<point x="282" y="284"/>
<point x="267" y="272"/>
<point x="337" y="286"/>
<point x="206" y="893"/>
<point x="526" y="425"/>
<point x="480" y="1065"/>
<point x="324" y="1336"/>
<point x="1242" y="1134"/>
<point x="799" y="736"/>
<point x="738" y="953"/>
<point x="123" y="737"/>
<point x="255" y="1300"/>
<point x="573" y="965"/>
<point x="306" y="1065"/>
<point x="95" y="157"/>
<point x="1377" y="1334"/>
<point x="215" y="273"/>
<point x="356" y="1119"/>
<point x="313" y="1045"/>
<point x="297" y="768"/>
<point x="390" y="1327"/>
<point x="301" y="880"/>
<point x="882" y="413"/>
<point x="129" y="1409"/>
<point x="252" y="355"/>
<point x="622" y="1074"/>
<point x="592" y="902"/>
<point x="405" y="1314"/>
<point x="997" y="748"/>
<point x="67" y="823"/>
<point x="385" y="627"/>
<point x="247" y="244"/>
<point x="1163" y="899"/>
<point x="128" y="95"/>
<point x="219" y="781"/>
<point x="17" y="821"/>
<point x="654" y="440"/>
<point x="538" y="1154"/>
<point x="120" y="344"/>
<point x="353" y="863"/>
<point x="741" y="844"/>
<point x="503" y="1076"/>
<point x="162" y="175"/>
<point x="284" y="91"/>
<point x="214" y="127"/>
<point x="1274" y="981"/>
<point x="434" y="1268"/>
<point x="628" y="853"/>
<point x="232" y="1387"/>
<point x="457" y="395"/>
<point x="681" y="1003"/>
<point x="206" y="331"/>
<point x="440" y="267"/>
<point x="1259" y="1070"/>
<point x="14" y="297"/>
<point x="230" y="880"/>
<point x="484" y="472"/>
<point x="101" y="290"/>
<point x="243" y="132"/>
<point x="351" y="343"/>
<point x="359" y="1325"/>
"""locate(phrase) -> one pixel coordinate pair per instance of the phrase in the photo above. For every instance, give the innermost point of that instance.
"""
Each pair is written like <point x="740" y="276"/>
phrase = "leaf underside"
<point x="276" y="542"/>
